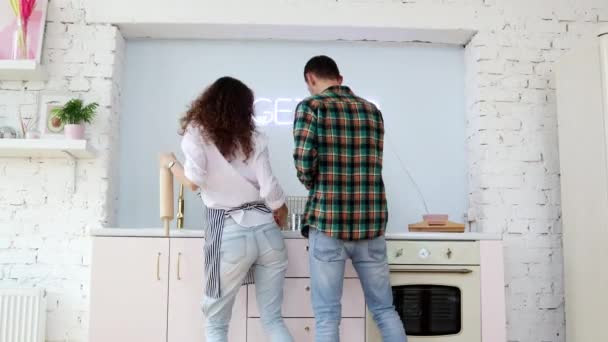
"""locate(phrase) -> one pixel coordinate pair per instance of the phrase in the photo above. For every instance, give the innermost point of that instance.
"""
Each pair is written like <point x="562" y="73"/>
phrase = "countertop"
<point x="197" y="233"/>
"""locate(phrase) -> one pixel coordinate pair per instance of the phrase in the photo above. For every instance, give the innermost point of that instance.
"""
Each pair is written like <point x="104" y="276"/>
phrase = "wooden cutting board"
<point x="449" y="227"/>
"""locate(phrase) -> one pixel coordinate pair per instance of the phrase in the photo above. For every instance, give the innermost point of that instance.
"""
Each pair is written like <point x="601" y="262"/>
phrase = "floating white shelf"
<point x="72" y="150"/>
<point x="21" y="70"/>
<point x="45" y="148"/>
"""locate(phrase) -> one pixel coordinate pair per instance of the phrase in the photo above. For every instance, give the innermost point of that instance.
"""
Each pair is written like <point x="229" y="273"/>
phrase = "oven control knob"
<point x="424" y="253"/>
<point x="399" y="253"/>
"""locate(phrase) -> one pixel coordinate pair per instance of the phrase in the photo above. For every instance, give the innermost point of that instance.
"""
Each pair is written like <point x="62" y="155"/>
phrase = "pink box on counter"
<point x="435" y="219"/>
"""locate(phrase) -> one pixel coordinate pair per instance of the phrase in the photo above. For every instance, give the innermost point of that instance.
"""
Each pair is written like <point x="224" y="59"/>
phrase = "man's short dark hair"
<point x="322" y="67"/>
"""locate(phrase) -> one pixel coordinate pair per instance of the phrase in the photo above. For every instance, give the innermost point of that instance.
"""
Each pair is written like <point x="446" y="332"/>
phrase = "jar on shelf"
<point x="32" y="134"/>
<point x="20" y="41"/>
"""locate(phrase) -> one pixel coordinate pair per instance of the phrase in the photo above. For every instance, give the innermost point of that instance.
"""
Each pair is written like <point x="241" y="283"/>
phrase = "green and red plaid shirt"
<point x="338" y="155"/>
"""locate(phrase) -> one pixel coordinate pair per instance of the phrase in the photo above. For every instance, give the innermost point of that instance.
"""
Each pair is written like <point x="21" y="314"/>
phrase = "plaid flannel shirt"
<point x="338" y="156"/>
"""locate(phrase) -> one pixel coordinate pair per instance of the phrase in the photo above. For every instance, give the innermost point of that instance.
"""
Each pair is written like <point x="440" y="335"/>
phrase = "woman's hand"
<point x="280" y="216"/>
<point x="166" y="158"/>
<point x="177" y="170"/>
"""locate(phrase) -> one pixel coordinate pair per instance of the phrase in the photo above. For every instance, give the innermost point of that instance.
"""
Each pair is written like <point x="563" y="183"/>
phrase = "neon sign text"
<point x="278" y="111"/>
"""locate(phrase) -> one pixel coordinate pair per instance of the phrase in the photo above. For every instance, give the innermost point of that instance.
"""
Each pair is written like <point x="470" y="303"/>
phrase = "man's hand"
<point x="280" y="216"/>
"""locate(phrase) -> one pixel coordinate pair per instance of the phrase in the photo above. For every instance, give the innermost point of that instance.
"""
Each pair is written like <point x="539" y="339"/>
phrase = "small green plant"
<point x="75" y="112"/>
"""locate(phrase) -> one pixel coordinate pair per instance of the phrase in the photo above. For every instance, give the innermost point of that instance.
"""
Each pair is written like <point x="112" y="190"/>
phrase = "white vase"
<point x="20" y="43"/>
<point x="75" y="132"/>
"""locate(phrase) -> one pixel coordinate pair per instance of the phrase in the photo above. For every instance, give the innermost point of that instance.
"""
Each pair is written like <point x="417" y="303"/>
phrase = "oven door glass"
<point x="436" y="303"/>
<point x="429" y="310"/>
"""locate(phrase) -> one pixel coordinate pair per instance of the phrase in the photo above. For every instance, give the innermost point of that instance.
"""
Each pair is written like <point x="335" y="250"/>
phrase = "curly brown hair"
<point x="224" y="114"/>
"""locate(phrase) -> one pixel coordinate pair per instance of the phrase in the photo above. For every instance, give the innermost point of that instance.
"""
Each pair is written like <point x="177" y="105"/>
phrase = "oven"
<point x="436" y="290"/>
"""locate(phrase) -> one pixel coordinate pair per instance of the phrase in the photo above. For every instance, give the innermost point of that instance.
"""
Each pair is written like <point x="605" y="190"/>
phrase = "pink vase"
<point x="74" y="131"/>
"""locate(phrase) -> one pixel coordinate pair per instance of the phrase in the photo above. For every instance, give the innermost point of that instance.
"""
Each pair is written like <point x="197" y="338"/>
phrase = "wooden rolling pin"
<point x="166" y="198"/>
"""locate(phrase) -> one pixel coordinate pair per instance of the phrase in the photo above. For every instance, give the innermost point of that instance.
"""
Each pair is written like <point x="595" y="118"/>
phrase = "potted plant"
<point x="73" y="115"/>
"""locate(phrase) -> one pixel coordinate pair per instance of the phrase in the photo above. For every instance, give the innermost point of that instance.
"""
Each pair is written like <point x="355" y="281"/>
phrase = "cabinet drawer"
<point x="297" y="301"/>
<point x="297" y="251"/>
<point x="303" y="329"/>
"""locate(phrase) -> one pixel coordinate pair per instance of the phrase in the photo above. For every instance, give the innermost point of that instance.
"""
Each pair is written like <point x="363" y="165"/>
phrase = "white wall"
<point x="513" y="164"/>
<point x="420" y="89"/>
<point x="44" y="239"/>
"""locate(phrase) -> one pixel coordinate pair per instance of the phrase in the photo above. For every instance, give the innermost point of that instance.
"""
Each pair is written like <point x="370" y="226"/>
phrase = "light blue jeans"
<point x="327" y="260"/>
<point x="242" y="247"/>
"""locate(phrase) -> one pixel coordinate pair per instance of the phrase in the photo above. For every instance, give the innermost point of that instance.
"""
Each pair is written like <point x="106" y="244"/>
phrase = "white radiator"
<point x="22" y="315"/>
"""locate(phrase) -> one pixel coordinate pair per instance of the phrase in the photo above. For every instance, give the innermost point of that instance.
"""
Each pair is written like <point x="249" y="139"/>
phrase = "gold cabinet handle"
<point x="158" y="266"/>
<point x="179" y="258"/>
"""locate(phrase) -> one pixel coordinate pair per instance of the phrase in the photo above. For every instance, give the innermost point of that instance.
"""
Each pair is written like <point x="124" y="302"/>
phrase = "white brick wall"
<point x="43" y="226"/>
<point x="514" y="165"/>
<point x="511" y="140"/>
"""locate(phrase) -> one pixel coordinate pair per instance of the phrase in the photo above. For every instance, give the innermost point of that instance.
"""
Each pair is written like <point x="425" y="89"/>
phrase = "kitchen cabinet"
<point x="303" y="329"/>
<point x="297" y="299"/>
<point x="150" y="289"/>
<point x="129" y="288"/>
<point x="186" y="286"/>
<point x="582" y="113"/>
<point x="297" y="253"/>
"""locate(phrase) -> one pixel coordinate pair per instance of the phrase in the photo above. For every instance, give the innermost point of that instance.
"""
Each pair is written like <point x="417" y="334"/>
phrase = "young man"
<point x="338" y="156"/>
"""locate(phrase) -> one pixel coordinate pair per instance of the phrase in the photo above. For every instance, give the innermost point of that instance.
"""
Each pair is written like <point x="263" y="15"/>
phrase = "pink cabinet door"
<point x="303" y="329"/>
<point x="129" y="284"/>
<point x="297" y="301"/>
<point x="186" y="286"/>
<point x="297" y="252"/>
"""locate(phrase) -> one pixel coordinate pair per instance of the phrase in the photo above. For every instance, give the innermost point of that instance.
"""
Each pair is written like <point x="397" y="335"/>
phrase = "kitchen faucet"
<point x="180" y="208"/>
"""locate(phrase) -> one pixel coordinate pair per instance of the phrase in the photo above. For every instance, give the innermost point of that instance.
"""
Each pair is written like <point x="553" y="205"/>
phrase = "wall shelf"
<point x="72" y="150"/>
<point x="22" y="70"/>
<point x="45" y="148"/>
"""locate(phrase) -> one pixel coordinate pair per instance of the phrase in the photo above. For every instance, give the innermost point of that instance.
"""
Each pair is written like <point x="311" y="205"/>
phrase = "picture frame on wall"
<point x="9" y="32"/>
<point x="49" y="126"/>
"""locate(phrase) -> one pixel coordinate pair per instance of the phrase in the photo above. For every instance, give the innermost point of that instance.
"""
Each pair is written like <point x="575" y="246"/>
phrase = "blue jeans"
<point x="242" y="247"/>
<point x="327" y="261"/>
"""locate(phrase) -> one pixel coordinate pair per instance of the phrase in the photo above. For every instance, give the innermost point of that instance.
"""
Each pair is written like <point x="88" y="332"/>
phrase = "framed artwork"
<point x="49" y="126"/>
<point x="14" y="45"/>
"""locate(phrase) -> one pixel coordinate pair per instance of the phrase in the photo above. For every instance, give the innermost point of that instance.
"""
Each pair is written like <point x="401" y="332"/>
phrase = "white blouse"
<point x="227" y="185"/>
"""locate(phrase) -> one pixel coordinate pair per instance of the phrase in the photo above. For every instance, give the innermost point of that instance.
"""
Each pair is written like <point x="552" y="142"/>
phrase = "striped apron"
<point x="213" y="245"/>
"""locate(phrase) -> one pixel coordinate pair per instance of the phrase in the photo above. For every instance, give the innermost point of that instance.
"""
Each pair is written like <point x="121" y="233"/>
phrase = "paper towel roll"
<point x="166" y="197"/>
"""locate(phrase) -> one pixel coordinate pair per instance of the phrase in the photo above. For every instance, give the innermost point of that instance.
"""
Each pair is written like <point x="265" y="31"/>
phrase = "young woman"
<point x="228" y="160"/>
